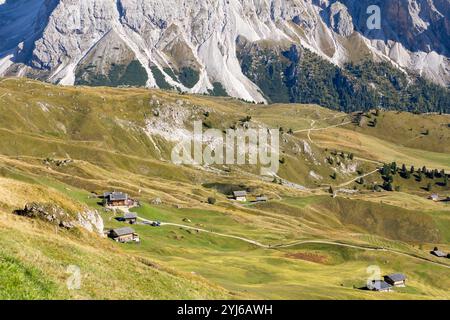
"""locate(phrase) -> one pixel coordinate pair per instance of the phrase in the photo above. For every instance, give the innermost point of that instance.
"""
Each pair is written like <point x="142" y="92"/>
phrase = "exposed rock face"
<point x="170" y="123"/>
<point x="415" y="34"/>
<point x="340" y="20"/>
<point x="91" y="221"/>
<point x="88" y="219"/>
<point x="191" y="45"/>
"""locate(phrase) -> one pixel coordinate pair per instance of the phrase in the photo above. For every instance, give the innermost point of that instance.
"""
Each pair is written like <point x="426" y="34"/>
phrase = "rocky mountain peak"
<point x="191" y="45"/>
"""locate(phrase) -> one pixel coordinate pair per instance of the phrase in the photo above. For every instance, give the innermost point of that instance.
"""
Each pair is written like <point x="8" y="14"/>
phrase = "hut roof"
<point x="123" y="231"/>
<point x="240" y="193"/>
<point x="396" y="277"/>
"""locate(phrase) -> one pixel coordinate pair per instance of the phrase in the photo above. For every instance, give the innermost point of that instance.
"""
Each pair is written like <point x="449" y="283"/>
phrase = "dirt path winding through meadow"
<point x="312" y="128"/>
<point x="313" y="123"/>
<point x="324" y="128"/>
<point x="300" y="242"/>
<point x="357" y="178"/>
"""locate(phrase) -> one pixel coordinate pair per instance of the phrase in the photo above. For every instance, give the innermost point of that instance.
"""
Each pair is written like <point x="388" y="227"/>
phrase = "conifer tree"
<point x="403" y="168"/>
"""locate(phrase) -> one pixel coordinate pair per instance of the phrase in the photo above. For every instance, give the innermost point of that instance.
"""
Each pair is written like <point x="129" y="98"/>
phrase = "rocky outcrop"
<point x="191" y="45"/>
<point x="87" y="219"/>
<point x="46" y="212"/>
<point x="91" y="221"/>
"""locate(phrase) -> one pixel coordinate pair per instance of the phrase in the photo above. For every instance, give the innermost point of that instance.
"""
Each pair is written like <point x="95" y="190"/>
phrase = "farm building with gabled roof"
<point x="240" y="195"/>
<point x="115" y="199"/>
<point x="379" y="285"/>
<point x="438" y="253"/>
<point x="396" y="279"/>
<point x="434" y="197"/>
<point x="130" y="217"/>
<point x="262" y="199"/>
<point x="125" y="234"/>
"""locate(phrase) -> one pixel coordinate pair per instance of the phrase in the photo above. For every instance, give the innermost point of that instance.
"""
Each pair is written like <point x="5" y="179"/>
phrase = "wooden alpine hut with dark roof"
<point x="396" y="279"/>
<point x="124" y="235"/>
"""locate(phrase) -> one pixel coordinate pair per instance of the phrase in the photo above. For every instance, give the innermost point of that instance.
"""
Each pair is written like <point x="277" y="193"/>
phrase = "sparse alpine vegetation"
<point x="297" y="75"/>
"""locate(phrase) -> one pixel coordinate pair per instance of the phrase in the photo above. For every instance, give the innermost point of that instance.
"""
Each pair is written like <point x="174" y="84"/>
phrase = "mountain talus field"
<point x="330" y="213"/>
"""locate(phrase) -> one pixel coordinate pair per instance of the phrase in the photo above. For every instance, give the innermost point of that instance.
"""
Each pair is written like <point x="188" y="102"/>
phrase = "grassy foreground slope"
<point x="301" y="244"/>
<point x="36" y="259"/>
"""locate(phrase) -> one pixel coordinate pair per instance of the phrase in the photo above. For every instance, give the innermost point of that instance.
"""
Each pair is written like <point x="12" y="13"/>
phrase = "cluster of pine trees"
<point x="388" y="171"/>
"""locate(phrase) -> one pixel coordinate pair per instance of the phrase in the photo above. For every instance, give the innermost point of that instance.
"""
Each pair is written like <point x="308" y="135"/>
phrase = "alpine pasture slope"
<point x="302" y="243"/>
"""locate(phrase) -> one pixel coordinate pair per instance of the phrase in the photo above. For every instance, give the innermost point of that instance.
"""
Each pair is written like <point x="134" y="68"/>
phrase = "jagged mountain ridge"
<point x="191" y="45"/>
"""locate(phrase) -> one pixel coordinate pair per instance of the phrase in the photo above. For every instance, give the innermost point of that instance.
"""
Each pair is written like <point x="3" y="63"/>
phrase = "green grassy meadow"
<point x="311" y="245"/>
